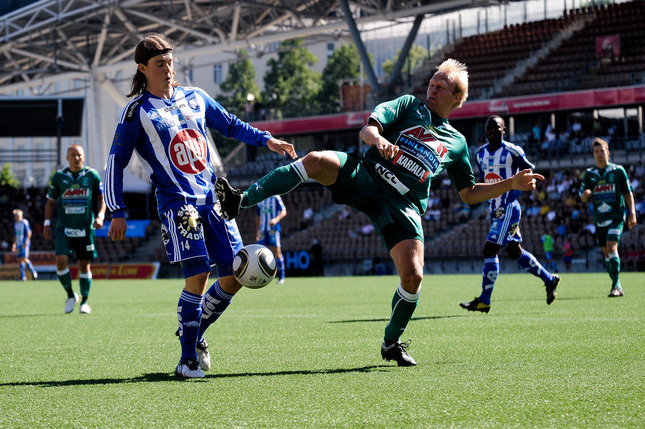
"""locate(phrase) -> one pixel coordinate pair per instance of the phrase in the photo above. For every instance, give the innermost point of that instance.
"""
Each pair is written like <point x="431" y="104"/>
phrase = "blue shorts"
<point x="22" y="251"/>
<point x="270" y="238"/>
<point x="191" y="232"/>
<point x="505" y="225"/>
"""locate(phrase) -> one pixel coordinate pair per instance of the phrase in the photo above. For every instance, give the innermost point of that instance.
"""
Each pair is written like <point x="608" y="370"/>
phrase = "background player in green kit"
<point x="607" y="185"/>
<point x="410" y="143"/>
<point x="73" y="192"/>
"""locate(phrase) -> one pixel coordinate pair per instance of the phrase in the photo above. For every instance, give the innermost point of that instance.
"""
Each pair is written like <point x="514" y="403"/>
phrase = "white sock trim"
<point x="87" y="275"/>
<point x="299" y="168"/>
<point x="410" y="297"/>
<point x="63" y="272"/>
<point x="612" y="255"/>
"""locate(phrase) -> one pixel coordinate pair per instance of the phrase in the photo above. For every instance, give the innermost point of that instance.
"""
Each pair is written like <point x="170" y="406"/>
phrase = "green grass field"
<point x="306" y="354"/>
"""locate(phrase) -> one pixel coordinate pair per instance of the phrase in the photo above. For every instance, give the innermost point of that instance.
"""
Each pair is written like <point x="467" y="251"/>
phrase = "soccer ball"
<point x="254" y="266"/>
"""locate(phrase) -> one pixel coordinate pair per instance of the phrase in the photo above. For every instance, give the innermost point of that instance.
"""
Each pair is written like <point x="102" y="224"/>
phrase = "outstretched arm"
<point x="524" y="180"/>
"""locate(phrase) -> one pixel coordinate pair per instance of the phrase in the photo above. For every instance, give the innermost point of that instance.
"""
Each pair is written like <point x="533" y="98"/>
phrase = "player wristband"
<point x="47" y="222"/>
<point x="100" y="216"/>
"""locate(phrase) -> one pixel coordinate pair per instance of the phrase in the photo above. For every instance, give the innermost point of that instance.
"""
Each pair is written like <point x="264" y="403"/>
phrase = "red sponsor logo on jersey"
<point x="492" y="178"/>
<point x="609" y="187"/>
<point x="188" y="151"/>
<point x="76" y="192"/>
<point x="424" y="136"/>
<point x="420" y="133"/>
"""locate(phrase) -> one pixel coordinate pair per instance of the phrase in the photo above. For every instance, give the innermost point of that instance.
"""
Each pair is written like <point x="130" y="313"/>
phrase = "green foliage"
<point x="416" y="57"/>
<point x="7" y="178"/>
<point x="290" y="85"/>
<point x="239" y="82"/>
<point x="306" y="354"/>
<point x="343" y="64"/>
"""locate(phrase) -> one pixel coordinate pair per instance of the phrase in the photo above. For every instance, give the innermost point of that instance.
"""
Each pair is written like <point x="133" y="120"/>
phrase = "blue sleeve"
<point x="479" y="167"/>
<point x="127" y="133"/>
<point x="230" y="125"/>
<point x="281" y="203"/>
<point x="520" y="162"/>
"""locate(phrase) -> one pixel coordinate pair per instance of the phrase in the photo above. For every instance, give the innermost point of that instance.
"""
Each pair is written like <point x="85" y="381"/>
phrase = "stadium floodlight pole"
<point x="405" y="52"/>
<point x="362" y="52"/>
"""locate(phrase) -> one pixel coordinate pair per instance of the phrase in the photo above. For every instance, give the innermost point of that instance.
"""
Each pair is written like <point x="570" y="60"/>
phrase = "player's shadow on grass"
<point x="387" y="320"/>
<point x="163" y="376"/>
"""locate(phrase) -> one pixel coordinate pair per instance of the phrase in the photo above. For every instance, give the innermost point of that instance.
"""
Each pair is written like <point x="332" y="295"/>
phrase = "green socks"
<point x="85" y="281"/>
<point x="613" y="268"/>
<point x="403" y="305"/>
<point x="65" y="279"/>
<point x="277" y="182"/>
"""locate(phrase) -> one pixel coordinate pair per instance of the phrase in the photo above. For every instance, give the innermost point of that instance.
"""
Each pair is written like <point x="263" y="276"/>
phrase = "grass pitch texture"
<point x="306" y="355"/>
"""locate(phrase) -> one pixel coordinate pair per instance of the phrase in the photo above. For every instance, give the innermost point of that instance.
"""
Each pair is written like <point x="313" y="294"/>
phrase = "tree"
<point x="290" y="85"/>
<point x="345" y="63"/>
<point x="239" y="83"/>
<point x="416" y="57"/>
<point x="7" y="177"/>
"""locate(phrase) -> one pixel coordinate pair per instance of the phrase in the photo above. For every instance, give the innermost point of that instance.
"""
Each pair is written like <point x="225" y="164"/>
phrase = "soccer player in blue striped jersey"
<point x="269" y="214"/>
<point x="166" y="125"/>
<point x="21" y="243"/>
<point x="498" y="160"/>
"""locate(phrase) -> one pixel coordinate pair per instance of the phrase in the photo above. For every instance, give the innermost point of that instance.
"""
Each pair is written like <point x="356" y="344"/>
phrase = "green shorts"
<point x="394" y="217"/>
<point x="84" y="246"/>
<point x="612" y="232"/>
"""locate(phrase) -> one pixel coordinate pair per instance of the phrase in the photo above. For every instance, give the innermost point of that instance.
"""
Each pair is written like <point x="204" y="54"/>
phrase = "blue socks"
<point x="189" y="313"/>
<point x="531" y="265"/>
<point x="215" y="302"/>
<point x="280" y="268"/>
<point x="489" y="277"/>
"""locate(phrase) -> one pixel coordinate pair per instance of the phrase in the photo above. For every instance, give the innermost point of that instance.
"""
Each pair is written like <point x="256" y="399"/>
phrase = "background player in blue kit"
<point x="167" y="126"/>
<point x="21" y="243"/>
<point x="498" y="160"/>
<point x="269" y="214"/>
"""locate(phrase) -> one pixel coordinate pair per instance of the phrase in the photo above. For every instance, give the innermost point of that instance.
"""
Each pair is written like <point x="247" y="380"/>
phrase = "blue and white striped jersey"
<point x="267" y="210"/>
<point x="21" y="231"/>
<point x="494" y="167"/>
<point x="169" y="137"/>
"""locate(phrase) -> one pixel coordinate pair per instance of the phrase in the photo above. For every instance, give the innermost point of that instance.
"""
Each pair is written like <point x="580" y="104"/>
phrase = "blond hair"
<point x="457" y="73"/>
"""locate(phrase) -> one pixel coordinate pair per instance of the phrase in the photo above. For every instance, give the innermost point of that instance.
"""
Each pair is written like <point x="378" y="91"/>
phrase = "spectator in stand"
<point x="496" y="161"/>
<point x="567" y="253"/>
<point x="307" y="218"/>
<point x="547" y="242"/>
<point x="21" y="244"/>
<point x="269" y="214"/>
<point x="607" y="185"/>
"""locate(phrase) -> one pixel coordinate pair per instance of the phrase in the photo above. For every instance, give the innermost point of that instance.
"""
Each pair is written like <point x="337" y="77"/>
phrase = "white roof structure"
<point x="89" y="44"/>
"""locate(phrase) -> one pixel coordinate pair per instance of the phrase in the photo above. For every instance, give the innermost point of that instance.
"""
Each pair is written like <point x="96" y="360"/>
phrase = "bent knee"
<point x="411" y="281"/>
<point x="322" y="166"/>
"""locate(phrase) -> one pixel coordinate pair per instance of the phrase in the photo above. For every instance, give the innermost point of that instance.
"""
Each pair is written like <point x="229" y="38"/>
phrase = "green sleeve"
<point x="626" y="186"/>
<point x="460" y="170"/>
<point x="584" y="185"/>
<point x="389" y="112"/>
<point x="53" y="192"/>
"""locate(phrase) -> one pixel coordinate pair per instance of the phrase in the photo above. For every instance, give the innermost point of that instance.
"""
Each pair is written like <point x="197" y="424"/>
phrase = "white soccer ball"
<point x="254" y="266"/>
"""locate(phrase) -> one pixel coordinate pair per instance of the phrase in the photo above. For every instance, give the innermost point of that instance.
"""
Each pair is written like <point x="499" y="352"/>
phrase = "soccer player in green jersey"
<point x="607" y="185"/>
<point x="72" y="192"/>
<point x="410" y="142"/>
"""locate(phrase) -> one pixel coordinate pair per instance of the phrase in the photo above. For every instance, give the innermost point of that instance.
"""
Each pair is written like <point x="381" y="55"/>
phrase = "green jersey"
<point x="608" y="187"/>
<point x="74" y="193"/>
<point x="428" y="145"/>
